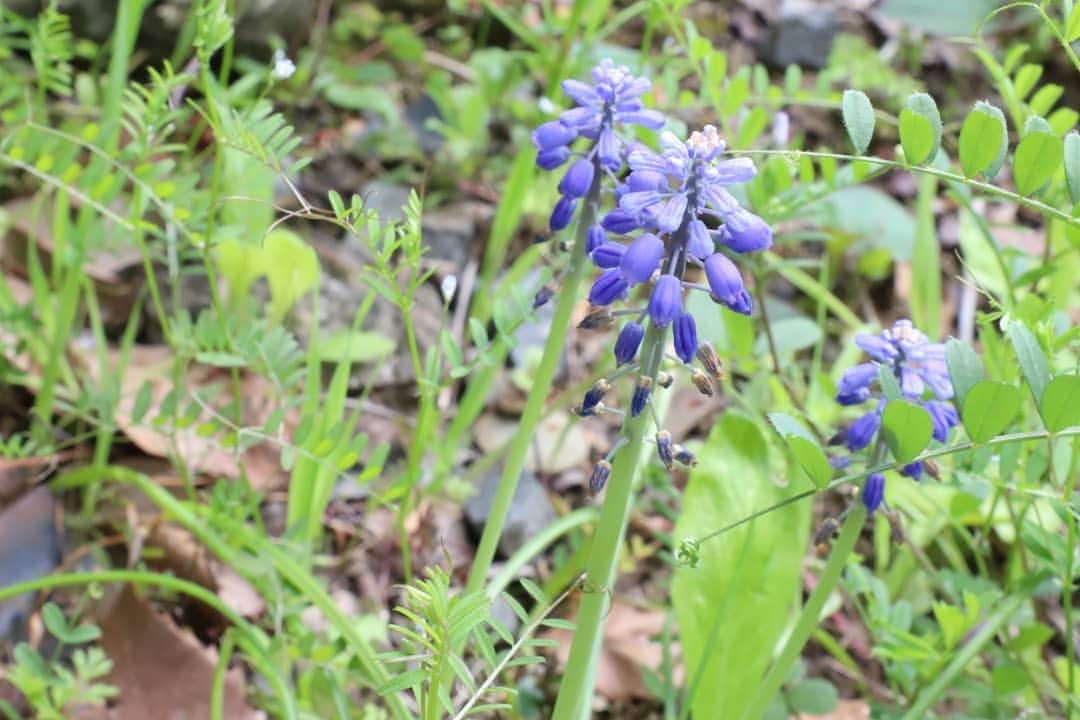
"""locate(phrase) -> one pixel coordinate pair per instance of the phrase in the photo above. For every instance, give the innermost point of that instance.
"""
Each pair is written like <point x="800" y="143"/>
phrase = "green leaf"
<point x="916" y="136"/>
<point x="733" y="608"/>
<point x="920" y="128"/>
<point x="859" y="119"/>
<point x="1031" y="357"/>
<point x="1037" y="158"/>
<point x="989" y="408"/>
<point x="359" y="347"/>
<point x="981" y="139"/>
<point x="1072" y="25"/>
<point x="890" y="386"/>
<point x="965" y="368"/>
<point x="906" y="428"/>
<point x="1008" y="677"/>
<point x="292" y="269"/>
<point x="804" y="448"/>
<point x="403" y="681"/>
<point x="813" y="697"/>
<point x="1003" y="148"/>
<point x="1060" y="406"/>
<point x="1071" y="157"/>
<point x="142" y="402"/>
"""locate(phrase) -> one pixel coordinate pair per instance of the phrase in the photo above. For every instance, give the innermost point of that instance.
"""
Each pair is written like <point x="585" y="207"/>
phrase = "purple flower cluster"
<point x="923" y="377"/>
<point x="615" y="98"/>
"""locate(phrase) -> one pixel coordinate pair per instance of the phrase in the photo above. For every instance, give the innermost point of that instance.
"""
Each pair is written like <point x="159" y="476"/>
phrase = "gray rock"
<point x="803" y="34"/>
<point x="386" y="198"/>
<point x="417" y="114"/>
<point x="450" y="232"/>
<point x="29" y="549"/>
<point x="530" y="511"/>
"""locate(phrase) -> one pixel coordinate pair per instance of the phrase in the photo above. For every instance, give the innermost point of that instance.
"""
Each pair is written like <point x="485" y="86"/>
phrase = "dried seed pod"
<point x="712" y="363"/>
<point x="664" y="448"/>
<point x="702" y="383"/>
<point x="600" y="474"/>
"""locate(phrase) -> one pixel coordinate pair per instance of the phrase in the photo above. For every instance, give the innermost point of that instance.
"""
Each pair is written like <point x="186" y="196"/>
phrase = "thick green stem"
<point x="808" y="620"/>
<point x="578" y="679"/>
<point x="534" y="403"/>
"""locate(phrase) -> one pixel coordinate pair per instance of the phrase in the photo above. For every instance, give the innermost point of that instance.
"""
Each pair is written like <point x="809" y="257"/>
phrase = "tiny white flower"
<point x="283" y="66"/>
<point x="448" y="287"/>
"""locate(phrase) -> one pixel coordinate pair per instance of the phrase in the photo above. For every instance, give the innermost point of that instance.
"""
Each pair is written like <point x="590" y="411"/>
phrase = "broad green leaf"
<point x="1060" y="406"/>
<point x="916" y="136"/>
<point x="1008" y="677"/>
<point x="965" y="368"/>
<point x="355" y="347"/>
<point x="859" y="119"/>
<point x="981" y="138"/>
<point x="735" y="605"/>
<point x="804" y="448"/>
<point x="291" y="267"/>
<point x="870" y="217"/>
<point x="1031" y="357"/>
<point x="1026" y="78"/>
<point x="989" y="408"/>
<point x="1071" y="153"/>
<point x="906" y="428"/>
<point x="1072" y="25"/>
<point x="920" y="140"/>
<point x="813" y="697"/>
<point x="1037" y="158"/>
<point x="939" y="18"/>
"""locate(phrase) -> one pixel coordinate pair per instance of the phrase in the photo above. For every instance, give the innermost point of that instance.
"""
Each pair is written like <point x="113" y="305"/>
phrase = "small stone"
<point x="803" y="35"/>
<point x="530" y="510"/>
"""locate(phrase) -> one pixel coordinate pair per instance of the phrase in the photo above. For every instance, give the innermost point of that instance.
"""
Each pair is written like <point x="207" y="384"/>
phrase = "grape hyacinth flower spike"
<point x="922" y="375"/>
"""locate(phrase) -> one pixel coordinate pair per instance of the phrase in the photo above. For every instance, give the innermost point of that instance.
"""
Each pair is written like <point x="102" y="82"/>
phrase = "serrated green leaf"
<point x="1037" y="158"/>
<point x="965" y="368"/>
<point x="859" y="119"/>
<point x="1031" y="357"/>
<point x="1071" y="158"/>
<point x="1060" y="406"/>
<point x="989" y="408"/>
<point x="981" y="139"/>
<point x="906" y="429"/>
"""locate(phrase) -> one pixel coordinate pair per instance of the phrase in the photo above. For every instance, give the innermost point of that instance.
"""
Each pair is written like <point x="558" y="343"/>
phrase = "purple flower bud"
<point x="877" y="347"/>
<point x="913" y="470"/>
<point x="666" y="301"/>
<point x="543" y="295"/>
<point x="746" y="232"/>
<point x="578" y="178"/>
<point x="608" y="288"/>
<point x="862" y="431"/>
<point x="594" y="395"/>
<point x="873" y="491"/>
<point x="854" y="386"/>
<point x="744" y="304"/>
<point x="609" y="149"/>
<point x="626" y="345"/>
<point x="620" y="222"/>
<point x="608" y="254"/>
<point x="600" y="474"/>
<point x="664" y="448"/>
<point x="686" y="342"/>
<point x="553" y="158"/>
<point x="700" y="244"/>
<point x="641" y="395"/>
<point x="724" y="278"/>
<point x="562" y="214"/>
<point x="641" y="258"/>
<point x="551" y="135"/>
<point x="594" y="237"/>
<point x="943" y="416"/>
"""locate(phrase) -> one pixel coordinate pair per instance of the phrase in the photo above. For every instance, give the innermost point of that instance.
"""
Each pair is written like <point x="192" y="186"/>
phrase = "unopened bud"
<point x="712" y="363"/>
<point x="600" y="473"/>
<point x="641" y="395"/>
<point x="702" y="383"/>
<point x="542" y="297"/>
<point x="664" y="448"/>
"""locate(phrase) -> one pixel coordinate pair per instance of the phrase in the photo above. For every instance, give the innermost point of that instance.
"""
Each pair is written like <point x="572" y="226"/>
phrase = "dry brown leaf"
<point x="627" y="649"/>
<point x="161" y="671"/>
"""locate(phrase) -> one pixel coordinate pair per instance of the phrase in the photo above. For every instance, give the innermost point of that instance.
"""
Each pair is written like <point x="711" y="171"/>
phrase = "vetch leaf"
<point x="906" y="428"/>
<point x="989" y="408"/>
<point x="804" y="448"/>
<point x="733" y="608"/>
<point x="1071" y="156"/>
<point x="1031" y="357"/>
<point x="1060" y="406"/>
<point x="922" y="138"/>
<point x="859" y="119"/>
<point x="1003" y="148"/>
<point x="1037" y="158"/>
<point x="890" y="387"/>
<point x="965" y="368"/>
<point x="1072" y="25"/>
<point x="981" y="139"/>
<point x="359" y="347"/>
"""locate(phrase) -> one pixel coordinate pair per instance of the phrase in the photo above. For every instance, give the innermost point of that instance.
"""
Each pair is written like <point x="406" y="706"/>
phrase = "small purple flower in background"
<point x="873" y="491"/>
<point x="615" y="98"/>
<point x="923" y="377"/>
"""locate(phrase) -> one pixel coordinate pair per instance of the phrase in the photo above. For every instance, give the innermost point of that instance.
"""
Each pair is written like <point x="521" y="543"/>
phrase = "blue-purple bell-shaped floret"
<point x="665" y="303"/>
<point x="686" y="340"/>
<point x="608" y="288"/>
<point x="628" y="342"/>
<point x="578" y="178"/>
<point x="943" y="416"/>
<point x="551" y="135"/>
<point x="642" y="258"/>
<point x="862" y="431"/>
<point x="854" y="386"/>
<point x="725" y="282"/>
<point x="699" y="242"/>
<point x="562" y="214"/>
<point x="640" y="398"/>
<point x="553" y="158"/>
<point x="620" y="222"/>
<point x="608" y="254"/>
<point x="913" y="470"/>
<point x="595" y="237"/>
<point x="873" y="492"/>
<point x="746" y="232"/>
